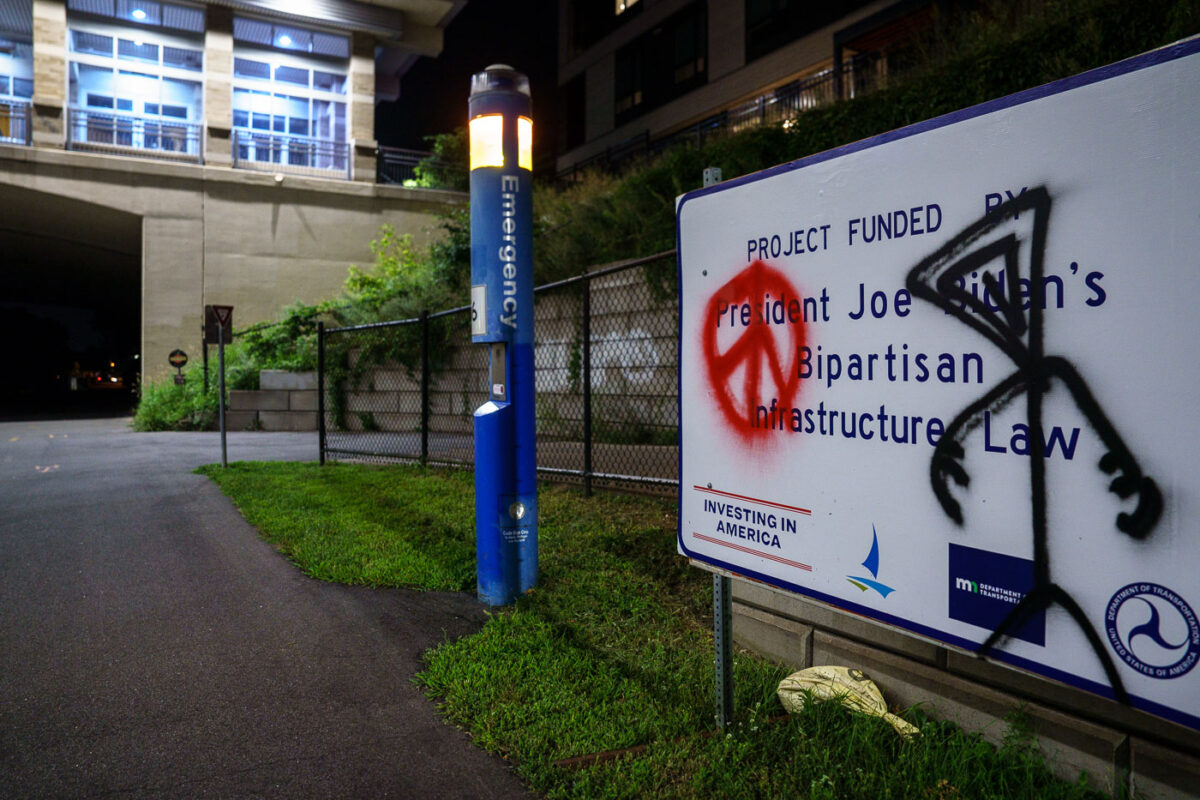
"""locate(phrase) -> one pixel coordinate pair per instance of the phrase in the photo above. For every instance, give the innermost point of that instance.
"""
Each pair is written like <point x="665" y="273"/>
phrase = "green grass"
<point x="611" y="651"/>
<point x="361" y="525"/>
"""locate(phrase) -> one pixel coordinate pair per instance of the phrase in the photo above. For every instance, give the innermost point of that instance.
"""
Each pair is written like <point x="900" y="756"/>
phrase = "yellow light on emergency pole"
<point x="487" y="141"/>
<point x="525" y="143"/>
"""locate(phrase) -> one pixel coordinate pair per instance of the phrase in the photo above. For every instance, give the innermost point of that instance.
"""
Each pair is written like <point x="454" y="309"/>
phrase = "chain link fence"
<point x="605" y="354"/>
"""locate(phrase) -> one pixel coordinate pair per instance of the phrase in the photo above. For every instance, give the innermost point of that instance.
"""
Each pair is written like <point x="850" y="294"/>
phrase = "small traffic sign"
<point x="180" y="379"/>
<point x="178" y="359"/>
<point x="218" y="317"/>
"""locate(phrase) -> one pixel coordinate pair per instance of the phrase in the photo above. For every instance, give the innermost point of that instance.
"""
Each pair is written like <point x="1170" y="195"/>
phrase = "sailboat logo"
<point x="872" y="565"/>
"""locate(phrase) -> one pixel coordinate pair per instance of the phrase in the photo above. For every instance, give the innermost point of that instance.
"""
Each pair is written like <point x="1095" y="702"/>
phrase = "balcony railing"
<point x="293" y="155"/>
<point x="397" y="165"/>
<point x="15" y="127"/>
<point x="128" y="134"/>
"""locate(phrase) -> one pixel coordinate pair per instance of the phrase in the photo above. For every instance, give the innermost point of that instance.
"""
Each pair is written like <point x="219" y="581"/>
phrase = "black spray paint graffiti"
<point x="987" y="246"/>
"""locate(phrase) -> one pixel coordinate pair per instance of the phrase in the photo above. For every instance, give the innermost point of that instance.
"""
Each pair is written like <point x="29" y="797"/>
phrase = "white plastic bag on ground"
<point x="848" y="686"/>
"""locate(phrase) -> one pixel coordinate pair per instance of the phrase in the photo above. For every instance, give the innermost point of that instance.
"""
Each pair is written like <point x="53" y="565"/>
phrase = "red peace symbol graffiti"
<point x="762" y="309"/>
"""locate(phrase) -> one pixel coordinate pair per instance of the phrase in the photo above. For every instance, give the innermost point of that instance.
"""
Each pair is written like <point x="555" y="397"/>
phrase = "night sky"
<point x="433" y="94"/>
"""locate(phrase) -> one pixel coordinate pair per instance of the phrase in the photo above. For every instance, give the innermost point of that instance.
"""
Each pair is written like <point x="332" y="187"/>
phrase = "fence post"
<point x="424" y="387"/>
<point x="587" y="387"/>
<point x="321" y="390"/>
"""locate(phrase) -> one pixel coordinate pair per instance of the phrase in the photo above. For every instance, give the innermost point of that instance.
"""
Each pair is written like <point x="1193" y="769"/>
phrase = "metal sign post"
<point x="722" y="602"/>
<point x="218" y="325"/>
<point x="501" y="133"/>
<point x="221" y="392"/>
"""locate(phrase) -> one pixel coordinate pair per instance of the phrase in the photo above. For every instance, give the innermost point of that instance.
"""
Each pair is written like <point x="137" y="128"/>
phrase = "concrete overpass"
<point x="171" y="238"/>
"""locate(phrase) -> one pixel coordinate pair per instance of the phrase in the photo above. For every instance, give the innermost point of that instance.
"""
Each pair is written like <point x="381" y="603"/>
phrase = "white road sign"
<point x="943" y="378"/>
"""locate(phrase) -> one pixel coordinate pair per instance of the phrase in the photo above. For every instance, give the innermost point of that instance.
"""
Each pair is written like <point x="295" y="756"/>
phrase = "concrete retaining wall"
<point x="285" y="401"/>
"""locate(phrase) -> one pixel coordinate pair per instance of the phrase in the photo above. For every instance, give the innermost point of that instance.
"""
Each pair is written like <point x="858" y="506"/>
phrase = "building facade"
<point x="634" y="74"/>
<point x="226" y="148"/>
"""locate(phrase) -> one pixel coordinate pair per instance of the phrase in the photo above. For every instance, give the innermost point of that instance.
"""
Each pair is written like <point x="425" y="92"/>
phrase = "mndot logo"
<point x="985" y="587"/>
<point x="1154" y="630"/>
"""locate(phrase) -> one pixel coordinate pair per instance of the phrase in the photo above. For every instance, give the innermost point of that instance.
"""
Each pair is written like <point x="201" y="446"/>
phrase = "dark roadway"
<point x="152" y="645"/>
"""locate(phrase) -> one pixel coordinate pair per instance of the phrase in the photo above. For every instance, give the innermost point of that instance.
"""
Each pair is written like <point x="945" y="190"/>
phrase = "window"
<point x="689" y="48"/>
<point x="630" y="94"/>
<point x="16" y="69"/>
<point x="770" y="24"/>
<point x="94" y="43"/>
<point x="182" y="58"/>
<point x="329" y="82"/>
<point x="137" y="51"/>
<point x="300" y="77"/>
<point x="248" y="68"/>
<point x="289" y="98"/>
<point x="662" y="64"/>
<point x="144" y="13"/>
<point x="592" y="20"/>
<point x="90" y="43"/>
<point x="134" y="88"/>
<point x="16" y="88"/>
<point x="289" y="38"/>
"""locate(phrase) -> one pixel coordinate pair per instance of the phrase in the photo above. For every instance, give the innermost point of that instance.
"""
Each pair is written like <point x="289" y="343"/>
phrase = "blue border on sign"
<point x="1163" y="55"/>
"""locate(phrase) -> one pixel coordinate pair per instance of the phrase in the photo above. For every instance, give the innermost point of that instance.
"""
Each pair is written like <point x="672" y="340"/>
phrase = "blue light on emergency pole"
<point x="501" y="133"/>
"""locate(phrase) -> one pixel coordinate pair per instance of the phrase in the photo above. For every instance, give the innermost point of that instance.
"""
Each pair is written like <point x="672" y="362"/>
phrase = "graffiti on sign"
<point x="752" y="339"/>
<point x="994" y="252"/>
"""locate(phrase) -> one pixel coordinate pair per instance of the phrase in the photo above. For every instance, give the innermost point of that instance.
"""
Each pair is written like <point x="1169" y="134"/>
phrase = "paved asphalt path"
<point x="152" y="645"/>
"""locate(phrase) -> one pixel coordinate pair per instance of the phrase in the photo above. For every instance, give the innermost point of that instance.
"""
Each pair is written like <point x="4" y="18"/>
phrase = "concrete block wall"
<point x="284" y="401"/>
<point x="1118" y="748"/>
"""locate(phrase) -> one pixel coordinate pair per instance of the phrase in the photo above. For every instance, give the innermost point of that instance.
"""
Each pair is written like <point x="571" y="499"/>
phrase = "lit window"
<point x="144" y="12"/>
<point x="329" y="82"/>
<point x="157" y="107"/>
<point x="249" y="68"/>
<point x="137" y="51"/>
<point x="291" y="75"/>
<point x="288" y="37"/>
<point x="289" y="87"/>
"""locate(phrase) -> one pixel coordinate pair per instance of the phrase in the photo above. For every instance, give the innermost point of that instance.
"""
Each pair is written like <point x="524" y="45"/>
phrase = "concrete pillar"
<point x="361" y="112"/>
<point x="218" y="91"/>
<point x="49" y="72"/>
<point x="172" y="285"/>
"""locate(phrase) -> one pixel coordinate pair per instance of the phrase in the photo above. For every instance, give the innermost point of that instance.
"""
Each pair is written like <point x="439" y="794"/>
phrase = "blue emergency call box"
<point x="501" y="162"/>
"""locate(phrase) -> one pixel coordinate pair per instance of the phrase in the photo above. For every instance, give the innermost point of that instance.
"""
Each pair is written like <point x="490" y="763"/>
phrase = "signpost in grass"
<point x="218" y="327"/>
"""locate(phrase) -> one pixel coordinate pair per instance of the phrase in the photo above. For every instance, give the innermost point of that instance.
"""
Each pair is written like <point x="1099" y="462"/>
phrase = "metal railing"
<point x="605" y="355"/>
<point x="128" y="134"/>
<point x="16" y="121"/>
<point x="293" y="155"/>
<point x="397" y="165"/>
